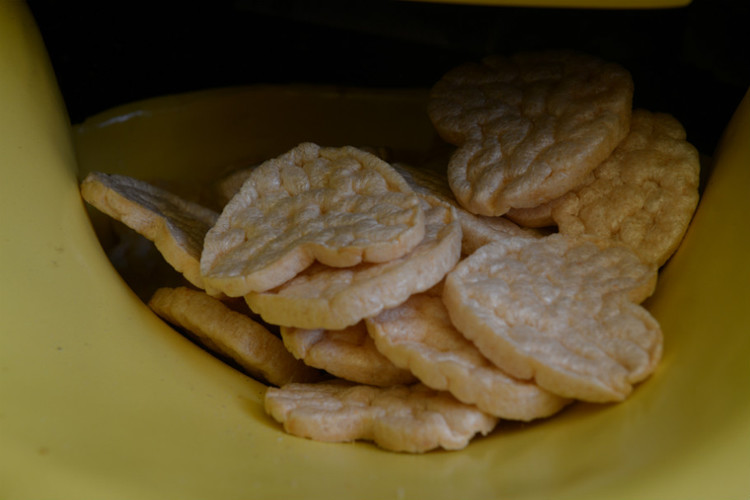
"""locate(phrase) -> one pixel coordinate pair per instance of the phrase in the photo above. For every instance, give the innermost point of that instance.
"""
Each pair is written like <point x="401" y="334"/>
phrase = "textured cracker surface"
<point x="642" y="196"/>
<point x="562" y="311"/>
<point x="232" y="334"/>
<point x="528" y="127"/>
<point x="339" y="206"/>
<point x="412" y="419"/>
<point x="176" y="226"/>
<point x="476" y="230"/>
<point x="334" y="298"/>
<point x="419" y="335"/>
<point x="349" y="354"/>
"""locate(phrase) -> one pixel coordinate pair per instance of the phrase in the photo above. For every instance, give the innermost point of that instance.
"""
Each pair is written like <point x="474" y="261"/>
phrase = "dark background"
<point x="689" y="61"/>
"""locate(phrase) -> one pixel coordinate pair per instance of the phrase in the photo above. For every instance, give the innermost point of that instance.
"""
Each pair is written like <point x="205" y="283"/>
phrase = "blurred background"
<point x="688" y="61"/>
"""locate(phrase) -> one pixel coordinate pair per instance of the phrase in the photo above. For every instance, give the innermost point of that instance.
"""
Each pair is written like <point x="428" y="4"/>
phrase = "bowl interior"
<point x="695" y="403"/>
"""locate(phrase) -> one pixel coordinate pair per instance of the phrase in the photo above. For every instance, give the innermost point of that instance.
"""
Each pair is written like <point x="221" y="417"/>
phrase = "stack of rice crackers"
<point x="415" y="307"/>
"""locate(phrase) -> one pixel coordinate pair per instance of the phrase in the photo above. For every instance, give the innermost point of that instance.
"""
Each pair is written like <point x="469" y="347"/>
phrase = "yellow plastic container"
<point x="99" y="399"/>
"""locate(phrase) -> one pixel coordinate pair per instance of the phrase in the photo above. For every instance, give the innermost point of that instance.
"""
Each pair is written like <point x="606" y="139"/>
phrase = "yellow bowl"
<point x="100" y="399"/>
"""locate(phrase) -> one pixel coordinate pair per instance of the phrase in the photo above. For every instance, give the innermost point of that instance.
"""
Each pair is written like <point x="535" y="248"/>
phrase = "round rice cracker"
<point x="335" y="298"/>
<point x="231" y="334"/>
<point x="339" y="206"/>
<point x="412" y="419"/>
<point x="528" y="127"/>
<point x="643" y="196"/>
<point x="560" y="311"/>
<point x="176" y="226"/>
<point x="349" y="354"/>
<point x="418" y="335"/>
<point x="229" y="184"/>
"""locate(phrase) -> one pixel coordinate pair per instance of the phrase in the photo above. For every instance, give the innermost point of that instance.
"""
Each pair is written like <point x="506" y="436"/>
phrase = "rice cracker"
<point x="643" y="196"/>
<point x="412" y="419"/>
<point x="560" y="311"/>
<point x="334" y="298"/>
<point x="418" y="335"/>
<point x="176" y="226"/>
<point x="476" y="230"/>
<point x="339" y="206"/>
<point x="232" y="334"/>
<point x="349" y="354"/>
<point x="528" y="127"/>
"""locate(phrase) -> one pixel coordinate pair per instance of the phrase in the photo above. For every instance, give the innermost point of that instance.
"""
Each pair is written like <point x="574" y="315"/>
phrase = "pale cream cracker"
<point x="334" y="298"/>
<point x="643" y="196"/>
<point x="561" y="311"/>
<point x="476" y="230"/>
<point x="231" y="182"/>
<point x="419" y="336"/>
<point x="401" y="418"/>
<point x="176" y="226"/>
<point x="339" y="206"/>
<point x="349" y="354"/>
<point x="528" y="127"/>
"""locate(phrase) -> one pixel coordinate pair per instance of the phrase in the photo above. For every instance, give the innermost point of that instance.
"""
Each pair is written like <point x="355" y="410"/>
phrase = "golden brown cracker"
<point x="232" y="334"/>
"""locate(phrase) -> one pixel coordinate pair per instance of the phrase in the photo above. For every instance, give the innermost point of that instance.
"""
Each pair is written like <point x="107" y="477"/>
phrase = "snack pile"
<point x="416" y="308"/>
